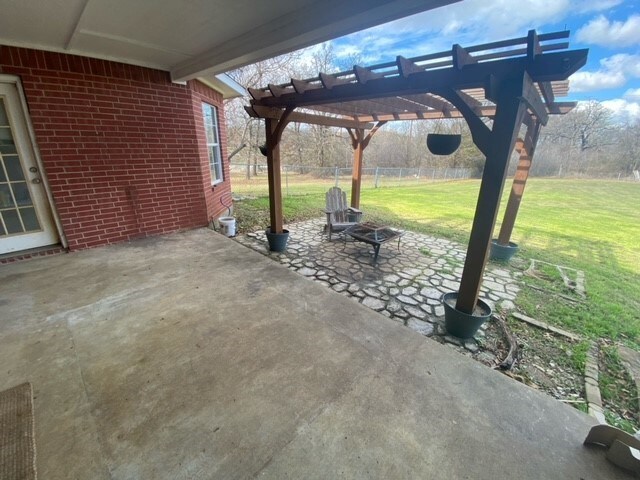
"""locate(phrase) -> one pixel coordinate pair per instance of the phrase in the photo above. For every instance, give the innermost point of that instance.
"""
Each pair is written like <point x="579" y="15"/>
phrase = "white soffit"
<point x="191" y="38"/>
<point x="224" y="84"/>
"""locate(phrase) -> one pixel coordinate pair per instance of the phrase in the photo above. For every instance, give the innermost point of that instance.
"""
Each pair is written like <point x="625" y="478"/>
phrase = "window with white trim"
<point x="210" y="114"/>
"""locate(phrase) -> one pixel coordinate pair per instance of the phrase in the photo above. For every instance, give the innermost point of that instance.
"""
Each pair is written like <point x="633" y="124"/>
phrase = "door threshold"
<point x="22" y="255"/>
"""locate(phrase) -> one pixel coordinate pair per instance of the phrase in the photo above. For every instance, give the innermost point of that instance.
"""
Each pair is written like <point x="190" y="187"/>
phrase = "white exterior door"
<point x="25" y="213"/>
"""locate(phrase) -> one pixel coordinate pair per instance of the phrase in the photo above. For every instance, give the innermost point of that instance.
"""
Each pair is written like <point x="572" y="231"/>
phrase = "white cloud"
<point x="474" y="21"/>
<point x="469" y="22"/>
<point x="600" y="31"/>
<point x="596" y="5"/>
<point x="623" y="110"/>
<point x="592" y="81"/>
<point x="633" y="94"/>
<point x="623" y="62"/>
<point x="615" y="72"/>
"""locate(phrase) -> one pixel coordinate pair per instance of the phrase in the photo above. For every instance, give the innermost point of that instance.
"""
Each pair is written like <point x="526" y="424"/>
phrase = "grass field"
<point x="591" y="225"/>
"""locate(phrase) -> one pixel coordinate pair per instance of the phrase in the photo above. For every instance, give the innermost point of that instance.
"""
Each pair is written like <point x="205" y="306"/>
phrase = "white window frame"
<point x="212" y="133"/>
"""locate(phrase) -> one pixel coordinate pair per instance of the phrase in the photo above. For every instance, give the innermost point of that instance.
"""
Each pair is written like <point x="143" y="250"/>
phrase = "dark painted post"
<point x="356" y="177"/>
<point x="273" y="175"/>
<point x="519" y="183"/>
<point x="510" y="110"/>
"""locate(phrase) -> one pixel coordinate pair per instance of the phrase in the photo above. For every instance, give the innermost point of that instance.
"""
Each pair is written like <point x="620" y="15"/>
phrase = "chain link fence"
<point x="251" y="180"/>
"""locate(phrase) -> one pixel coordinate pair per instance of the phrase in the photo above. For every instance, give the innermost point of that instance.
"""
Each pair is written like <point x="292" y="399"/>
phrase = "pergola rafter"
<point x="510" y="82"/>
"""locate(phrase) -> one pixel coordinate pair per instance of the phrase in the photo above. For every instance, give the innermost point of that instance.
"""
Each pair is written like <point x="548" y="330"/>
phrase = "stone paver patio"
<point x="405" y="285"/>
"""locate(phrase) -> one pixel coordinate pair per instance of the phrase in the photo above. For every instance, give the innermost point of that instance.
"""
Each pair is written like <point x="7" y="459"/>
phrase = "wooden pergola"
<point x="496" y="87"/>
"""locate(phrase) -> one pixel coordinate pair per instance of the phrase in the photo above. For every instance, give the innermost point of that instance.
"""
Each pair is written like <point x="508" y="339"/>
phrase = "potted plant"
<point x="462" y="324"/>
<point x="277" y="240"/>
<point x="502" y="252"/>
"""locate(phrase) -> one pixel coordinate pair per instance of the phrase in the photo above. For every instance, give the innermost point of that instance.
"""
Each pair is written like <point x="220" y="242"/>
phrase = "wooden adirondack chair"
<point x="339" y="214"/>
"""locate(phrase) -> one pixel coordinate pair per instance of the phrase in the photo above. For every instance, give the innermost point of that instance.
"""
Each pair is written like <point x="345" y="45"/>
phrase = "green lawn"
<point x="591" y="225"/>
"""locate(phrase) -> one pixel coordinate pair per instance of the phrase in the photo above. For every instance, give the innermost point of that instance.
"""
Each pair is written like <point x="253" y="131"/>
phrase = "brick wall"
<point x="123" y="147"/>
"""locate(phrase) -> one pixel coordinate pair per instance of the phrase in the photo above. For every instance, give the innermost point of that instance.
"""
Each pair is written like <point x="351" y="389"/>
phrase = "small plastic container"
<point x="227" y="226"/>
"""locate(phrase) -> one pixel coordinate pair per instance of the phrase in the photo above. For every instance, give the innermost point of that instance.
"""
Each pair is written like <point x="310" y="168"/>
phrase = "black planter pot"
<point x="443" y="143"/>
<point x="462" y="324"/>
<point x="277" y="241"/>
<point x="502" y="253"/>
<point x="263" y="150"/>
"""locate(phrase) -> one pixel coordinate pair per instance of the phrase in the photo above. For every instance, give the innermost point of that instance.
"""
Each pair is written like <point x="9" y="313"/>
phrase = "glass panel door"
<point x="17" y="214"/>
<point x="25" y="213"/>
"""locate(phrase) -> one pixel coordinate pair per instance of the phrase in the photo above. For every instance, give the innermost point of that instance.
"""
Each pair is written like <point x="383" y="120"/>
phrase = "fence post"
<point x="418" y="176"/>
<point x="375" y="184"/>
<point x="399" y="177"/>
<point x="337" y="177"/>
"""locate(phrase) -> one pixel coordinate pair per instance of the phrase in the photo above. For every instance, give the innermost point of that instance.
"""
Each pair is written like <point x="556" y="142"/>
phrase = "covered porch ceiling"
<point x="196" y="38"/>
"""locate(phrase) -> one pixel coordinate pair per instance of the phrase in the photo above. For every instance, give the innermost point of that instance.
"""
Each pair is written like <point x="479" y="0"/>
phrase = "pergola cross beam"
<point x="544" y="68"/>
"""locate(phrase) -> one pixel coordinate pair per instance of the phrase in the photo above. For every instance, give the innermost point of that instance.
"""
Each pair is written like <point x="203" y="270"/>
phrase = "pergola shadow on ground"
<point x="405" y="284"/>
<point x="499" y="88"/>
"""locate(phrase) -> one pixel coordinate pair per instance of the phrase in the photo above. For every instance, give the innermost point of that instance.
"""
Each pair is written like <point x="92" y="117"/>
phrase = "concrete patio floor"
<point x="192" y="356"/>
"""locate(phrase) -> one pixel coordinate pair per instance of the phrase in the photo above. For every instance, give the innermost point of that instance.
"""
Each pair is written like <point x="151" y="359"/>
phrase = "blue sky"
<point x="609" y="28"/>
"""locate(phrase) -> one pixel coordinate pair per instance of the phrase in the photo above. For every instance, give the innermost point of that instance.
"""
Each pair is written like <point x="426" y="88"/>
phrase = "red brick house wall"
<point x="123" y="148"/>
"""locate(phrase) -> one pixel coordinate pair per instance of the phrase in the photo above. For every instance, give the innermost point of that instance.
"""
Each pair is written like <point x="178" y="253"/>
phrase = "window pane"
<point x="2" y="232"/>
<point x="21" y="194"/>
<point x="14" y="169"/>
<point x="215" y="163"/>
<point x="29" y="219"/>
<point x="210" y="117"/>
<point x="4" y="121"/>
<point x="6" y="141"/>
<point x="212" y="163"/>
<point x="12" y="221"/>
<point x="214" y="123"/>
<point x="210" y="135"/>
<point x="3" y="177"/>
<point x="215" y="135"/>
<point x="6" y="201"/>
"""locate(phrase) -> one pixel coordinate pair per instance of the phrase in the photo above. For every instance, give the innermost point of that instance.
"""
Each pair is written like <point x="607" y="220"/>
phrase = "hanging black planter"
<point x="263" y="149"/>
<point x="443" y="143"/>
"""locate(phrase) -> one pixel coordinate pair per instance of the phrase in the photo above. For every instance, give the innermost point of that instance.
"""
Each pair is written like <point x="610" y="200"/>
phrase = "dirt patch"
<point x="545" y="361"/>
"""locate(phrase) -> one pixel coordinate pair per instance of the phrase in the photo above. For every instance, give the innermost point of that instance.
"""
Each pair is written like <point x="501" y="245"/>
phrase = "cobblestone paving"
<point x="406" y="284"/>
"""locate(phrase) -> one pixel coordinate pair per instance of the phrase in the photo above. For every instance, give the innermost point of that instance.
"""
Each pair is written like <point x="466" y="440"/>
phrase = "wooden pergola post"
<point x="497" y="144"/>
<point x="359" y="142"/>
<point x="274" y="178"/>
<point x="274" y="129"/>
<point x="357" y="137"/>
<point x="526" y="148"/>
